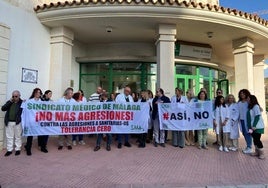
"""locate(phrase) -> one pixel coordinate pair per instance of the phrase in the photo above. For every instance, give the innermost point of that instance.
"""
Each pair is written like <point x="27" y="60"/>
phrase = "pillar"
<point x="259" y="85"/>
<point x="60" y="60"/>
<point x="4" y="60"/>
<point x="165" y="58"/>
<point x="243" y="50"/>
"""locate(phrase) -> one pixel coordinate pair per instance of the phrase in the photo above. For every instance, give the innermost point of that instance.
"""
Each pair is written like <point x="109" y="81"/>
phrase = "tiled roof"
<point x="214" y="8"/>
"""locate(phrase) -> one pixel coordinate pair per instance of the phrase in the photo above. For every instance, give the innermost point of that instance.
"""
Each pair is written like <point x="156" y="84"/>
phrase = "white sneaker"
<point x="233" y="149"/>
<point x="74" y="143"/>
<point x="247" y="151"/>
<point x="225" y="149"/>
<point x="82" y="142"/>
<point x="221" y="148"/>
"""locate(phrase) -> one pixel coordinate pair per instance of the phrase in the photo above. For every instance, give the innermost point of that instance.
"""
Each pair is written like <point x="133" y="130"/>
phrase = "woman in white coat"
<point x="220" y="122"/>
<point x="234" y="122"/>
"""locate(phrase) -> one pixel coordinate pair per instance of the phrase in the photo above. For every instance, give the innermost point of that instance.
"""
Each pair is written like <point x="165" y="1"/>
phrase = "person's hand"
<point x="250" y="131"/>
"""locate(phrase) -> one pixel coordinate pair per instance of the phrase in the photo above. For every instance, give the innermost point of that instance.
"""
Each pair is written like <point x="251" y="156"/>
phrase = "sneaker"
<point x="247" y="150"/>
<point x="69" y="147"/>
<point x="233" y="149"/>
<point x="163" y="145"/>
<point x="119" y="146"/>
<point x="220" y="148"/>
<point x="225" y="149"/>
<point x="82" y="142"/>
<point x="74" y="143"/>
<point x="108" y="148"/>
<point x="60" y="147"/>
<point x="44" y="150"/>
<point x="205" y="147"/>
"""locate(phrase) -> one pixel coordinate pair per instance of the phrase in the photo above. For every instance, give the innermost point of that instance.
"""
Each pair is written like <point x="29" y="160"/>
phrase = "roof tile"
<point x="253" y="17"/>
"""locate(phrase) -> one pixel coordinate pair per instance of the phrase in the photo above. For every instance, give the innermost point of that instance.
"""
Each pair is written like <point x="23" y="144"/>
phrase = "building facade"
<point x="54" y="44"/>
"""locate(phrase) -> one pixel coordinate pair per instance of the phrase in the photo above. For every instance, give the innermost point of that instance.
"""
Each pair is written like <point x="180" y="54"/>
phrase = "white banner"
<point x="54" y="118"/>
<point x="179" y="116"/>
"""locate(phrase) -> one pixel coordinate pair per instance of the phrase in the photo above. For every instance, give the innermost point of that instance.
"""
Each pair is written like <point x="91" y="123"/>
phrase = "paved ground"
<point x="150" y="167"/>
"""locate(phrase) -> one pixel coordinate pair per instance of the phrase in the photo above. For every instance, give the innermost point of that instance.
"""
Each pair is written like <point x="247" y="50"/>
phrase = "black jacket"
<point x="18" y="112"/>
<point x="164" y="98"/>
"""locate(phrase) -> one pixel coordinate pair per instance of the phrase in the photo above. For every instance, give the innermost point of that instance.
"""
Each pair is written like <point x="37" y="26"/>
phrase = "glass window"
<point x="222" y="75"/>
<point x="186" y="69"/>
<point x="114" y="76"/>
<point x="204" y="71"/>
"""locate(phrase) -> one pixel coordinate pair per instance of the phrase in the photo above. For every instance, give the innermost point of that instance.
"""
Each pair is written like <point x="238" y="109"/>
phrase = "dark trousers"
<point x="29" y="142"/>
<point x="42" y="141"/>
<point x="119" y="138"/>
<point x="142" y="139"/>
<point x="257" y="139"/>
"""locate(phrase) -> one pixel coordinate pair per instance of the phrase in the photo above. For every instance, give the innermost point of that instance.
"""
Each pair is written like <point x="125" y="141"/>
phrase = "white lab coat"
<point x="220" y="114"/>
<point x="183" y="99"/>
<point x="234" y="121"/>
<point x="122" y="98"/>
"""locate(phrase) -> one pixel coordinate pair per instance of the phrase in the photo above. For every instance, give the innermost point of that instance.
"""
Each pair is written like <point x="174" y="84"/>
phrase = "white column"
<point x="4" y="54"/>
<point x="243" y="50"/>
<point x="165" y="58"/>
<point x="259" y="86"/>
<point x="60" y="60"/>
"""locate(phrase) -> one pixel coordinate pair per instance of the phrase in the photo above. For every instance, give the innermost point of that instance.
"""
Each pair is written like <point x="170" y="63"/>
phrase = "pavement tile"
<point x="133" y="167"/>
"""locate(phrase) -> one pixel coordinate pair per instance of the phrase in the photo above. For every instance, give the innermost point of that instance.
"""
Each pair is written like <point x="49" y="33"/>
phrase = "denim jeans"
<point x="246" y="135"/>
<point x="80" y="137"/>
<point x="99" y="138"/>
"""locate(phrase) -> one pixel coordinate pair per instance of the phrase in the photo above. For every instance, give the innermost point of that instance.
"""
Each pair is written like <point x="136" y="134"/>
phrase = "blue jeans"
<point x="80" y="137"/>
<point x="119" y="138"/>
<point x="99" y="138"/>
<point x="246" y="135"/>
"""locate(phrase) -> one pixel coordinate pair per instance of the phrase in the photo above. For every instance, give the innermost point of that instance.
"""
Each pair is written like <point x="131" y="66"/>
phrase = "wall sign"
<point x="193" y="51"/>
<point x="29" y="75"/>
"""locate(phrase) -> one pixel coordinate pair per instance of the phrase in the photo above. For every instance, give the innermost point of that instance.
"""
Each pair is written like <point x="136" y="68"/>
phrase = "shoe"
<point x="119" y="146"/>
<point x="199" y="147"/>
<point x="148" y="141"/>
<point x="127" y="144"/>
<point x="74" y="143"/>
<point x="256" y="153"/>
<point x="28" y="152"/>
<point x="220" y="148"/>
<point x="225" y="149"/>
<point x="69" y="147"/>
<point x="215" y="143"/>
<point x="8" y="153"/>
<point x="175" y="146"/>
<point x="44" y="150"/>
<point x="163" y="145"/>
<point x="17" y="153"/>
<point x="97" y="148"/>
<point x="155" y="144"/>
<point x="82" y="142"/>
<point x="205" y="147"/>
<point x="247" y="151"/>
<point x="108" y="148"/>
<point x="181" y="147"/>
<point x="141" y="145"/>
<point x="60" y="147"/>
<point x="233" y="149"/>
<point x="261" y="154"/>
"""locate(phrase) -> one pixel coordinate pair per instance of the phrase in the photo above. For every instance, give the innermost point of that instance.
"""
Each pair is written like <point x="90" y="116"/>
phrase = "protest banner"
<point x="54" y="118"/>
<point x="191" y="116"/>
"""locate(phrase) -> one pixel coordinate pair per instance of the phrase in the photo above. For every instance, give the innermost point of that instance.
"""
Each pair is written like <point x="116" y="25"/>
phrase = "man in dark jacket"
<point x="159" y="135"/>
<point x="13" y="123"/>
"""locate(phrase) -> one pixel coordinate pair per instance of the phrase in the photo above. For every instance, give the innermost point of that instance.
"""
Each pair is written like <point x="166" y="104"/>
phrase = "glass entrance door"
<point x="186" y="82"/>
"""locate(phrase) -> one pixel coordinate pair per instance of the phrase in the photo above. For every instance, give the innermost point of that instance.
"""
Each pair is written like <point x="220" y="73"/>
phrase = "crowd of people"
<point x="229" y="117"/>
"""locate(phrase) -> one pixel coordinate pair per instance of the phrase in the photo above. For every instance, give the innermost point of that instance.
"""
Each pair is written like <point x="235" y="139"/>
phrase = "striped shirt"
<point x="95" y="97"/>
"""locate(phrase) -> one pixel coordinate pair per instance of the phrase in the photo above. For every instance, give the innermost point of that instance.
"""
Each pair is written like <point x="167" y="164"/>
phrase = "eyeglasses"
<point x="14" y="96"/>
<point x="218" y="92"/>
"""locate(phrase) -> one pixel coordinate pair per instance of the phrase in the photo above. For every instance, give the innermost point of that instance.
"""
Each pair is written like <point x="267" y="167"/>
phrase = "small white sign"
<point x="195" y="51"/>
